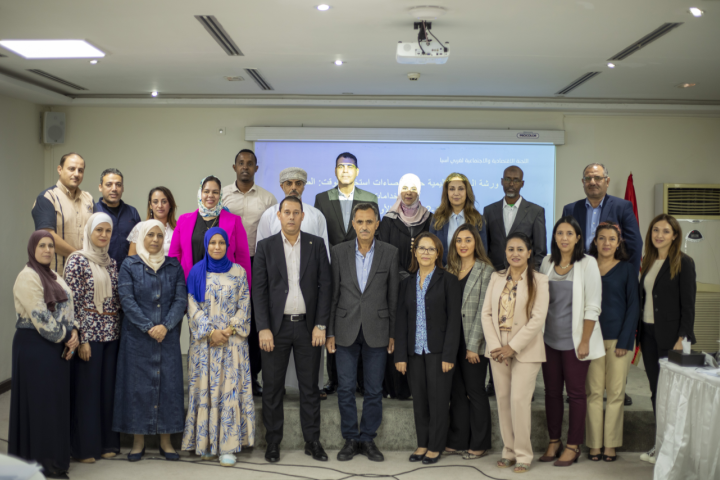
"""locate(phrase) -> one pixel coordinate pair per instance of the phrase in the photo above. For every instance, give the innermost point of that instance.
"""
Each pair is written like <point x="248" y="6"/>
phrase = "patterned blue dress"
<point x="221" y="410"/>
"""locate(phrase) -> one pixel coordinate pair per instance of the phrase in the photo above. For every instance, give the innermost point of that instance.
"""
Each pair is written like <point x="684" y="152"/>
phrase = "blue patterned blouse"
<point x="421" y="344"/>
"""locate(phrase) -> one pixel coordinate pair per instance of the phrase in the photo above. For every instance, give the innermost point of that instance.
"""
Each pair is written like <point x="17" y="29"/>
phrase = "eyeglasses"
<point x="590" y="179"/>
<point x="512" y="181"/>
<point x="424" y="250"/>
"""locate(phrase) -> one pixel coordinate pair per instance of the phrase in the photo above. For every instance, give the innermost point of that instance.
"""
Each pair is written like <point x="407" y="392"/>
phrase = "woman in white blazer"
<point x="572" y="336"/>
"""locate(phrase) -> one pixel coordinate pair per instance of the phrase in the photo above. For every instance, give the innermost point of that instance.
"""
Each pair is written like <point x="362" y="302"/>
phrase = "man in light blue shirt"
<point x="363" y="261"/>
<point x="592" y="221"/>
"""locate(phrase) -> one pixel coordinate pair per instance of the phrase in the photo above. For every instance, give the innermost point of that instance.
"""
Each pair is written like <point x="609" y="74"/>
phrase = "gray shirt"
<point x="558" y="326"/>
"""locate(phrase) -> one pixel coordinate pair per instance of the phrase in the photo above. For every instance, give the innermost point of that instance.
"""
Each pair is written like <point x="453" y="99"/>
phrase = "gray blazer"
<point x="373" y="309"/>
<point x="472" y="302"/>
<point x="530" y="220"/>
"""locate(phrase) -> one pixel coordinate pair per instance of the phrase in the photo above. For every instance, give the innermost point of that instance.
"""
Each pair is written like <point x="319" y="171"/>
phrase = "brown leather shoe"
<point x="559" y="463"/>
<point x="558" y="452"/>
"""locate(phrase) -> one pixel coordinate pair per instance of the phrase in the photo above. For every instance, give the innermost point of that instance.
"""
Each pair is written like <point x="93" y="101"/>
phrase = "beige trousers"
<point x="606" y="373"/>
<point x="514" y="388"/>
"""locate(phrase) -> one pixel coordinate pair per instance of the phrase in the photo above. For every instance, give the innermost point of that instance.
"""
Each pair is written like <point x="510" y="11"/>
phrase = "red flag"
<point x="630" y="196"/>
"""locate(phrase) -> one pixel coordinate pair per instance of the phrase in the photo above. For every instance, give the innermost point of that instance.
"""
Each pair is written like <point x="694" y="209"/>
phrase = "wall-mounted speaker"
<point x="53" y="128"/>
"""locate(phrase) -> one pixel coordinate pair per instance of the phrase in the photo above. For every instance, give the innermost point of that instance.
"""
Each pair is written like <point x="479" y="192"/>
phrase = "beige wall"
<point x="21" y="157"/>
<point x="176" y="147"/>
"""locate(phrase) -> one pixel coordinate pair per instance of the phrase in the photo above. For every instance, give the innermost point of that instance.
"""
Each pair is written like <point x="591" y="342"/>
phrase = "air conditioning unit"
<point x="697" y="209"/>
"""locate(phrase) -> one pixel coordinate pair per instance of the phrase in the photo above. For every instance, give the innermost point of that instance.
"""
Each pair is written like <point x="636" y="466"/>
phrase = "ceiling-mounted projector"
<point x="425" y="50"/>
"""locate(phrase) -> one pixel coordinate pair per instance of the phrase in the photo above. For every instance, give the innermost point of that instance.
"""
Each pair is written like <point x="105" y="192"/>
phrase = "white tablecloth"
<point x="688" y="423"/>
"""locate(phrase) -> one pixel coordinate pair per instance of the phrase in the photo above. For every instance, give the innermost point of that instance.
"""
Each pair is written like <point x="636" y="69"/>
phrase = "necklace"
<point x="566" y="266"/>
<point x="211" y="225"/>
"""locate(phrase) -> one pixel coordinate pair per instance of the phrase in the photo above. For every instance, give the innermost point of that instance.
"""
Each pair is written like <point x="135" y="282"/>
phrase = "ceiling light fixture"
<point x="93" y="62"/>
<point x="611" y="65"/>
<point x="52" y="48"/>
<point x="696" y="12"/>
<point x="323" y="7"/>
<point x="154" y="93"/>
<point x="338" y="62"/>
<point x="685" y="85"/>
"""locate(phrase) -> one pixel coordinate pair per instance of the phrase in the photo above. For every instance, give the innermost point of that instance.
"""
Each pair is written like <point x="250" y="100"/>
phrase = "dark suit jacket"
<point x="328" y="203"/>
<point x="530" y="220"/>
<point x="442" y="234"/>
<point x="614" y="210"/>
<point x="674" y="303"/>
<point x="374" y="309"/>
<point x="270" y="286"/>
<point x="443" y="301"/>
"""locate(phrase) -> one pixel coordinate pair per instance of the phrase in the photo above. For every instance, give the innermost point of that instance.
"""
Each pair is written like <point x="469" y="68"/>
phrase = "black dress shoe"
<point x="490" y="389"/>
<point x="56" y="475"/>
<point x="256" y="389"/>
<point x="628" y="400"/>
<point x="351" y="448"/>
<point x="272" y="453"/>
<point x="429" y="461"/>
<point x="371" y="451"/>
<point x="316" y="450"/>
<point x="330" y="388"/>
<point x="417" y="458"/>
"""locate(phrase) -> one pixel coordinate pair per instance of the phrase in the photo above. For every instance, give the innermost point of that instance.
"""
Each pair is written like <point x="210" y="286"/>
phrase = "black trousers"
<point x="293" y="336"/>
<point x="93" y="401"/>
<point x="254" y="342"/>
<point x="470" y="422"/>
<point x="652" y="354"/>
<point x="431" y="399"/>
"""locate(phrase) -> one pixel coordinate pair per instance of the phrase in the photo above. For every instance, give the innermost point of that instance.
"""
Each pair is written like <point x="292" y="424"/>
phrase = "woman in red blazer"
<point x="188" y="239"/>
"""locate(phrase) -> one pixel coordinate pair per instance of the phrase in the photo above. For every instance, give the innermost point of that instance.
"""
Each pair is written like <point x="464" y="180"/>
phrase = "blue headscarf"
<point x="198" y="273"/>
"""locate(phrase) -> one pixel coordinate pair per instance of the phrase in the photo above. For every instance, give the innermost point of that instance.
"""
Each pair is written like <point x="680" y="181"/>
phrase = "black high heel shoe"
<point x="417" y="458"/>
<point x="429" y="461"/>
<point x="136" y="457"/>
<point x="173" y="457"/>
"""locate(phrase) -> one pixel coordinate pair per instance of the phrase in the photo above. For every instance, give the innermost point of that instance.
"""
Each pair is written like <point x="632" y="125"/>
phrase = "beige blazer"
<point x="526" y="337"/>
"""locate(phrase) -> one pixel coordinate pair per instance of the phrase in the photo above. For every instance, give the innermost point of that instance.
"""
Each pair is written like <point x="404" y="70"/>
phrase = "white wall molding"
<point x="450" y="135"/>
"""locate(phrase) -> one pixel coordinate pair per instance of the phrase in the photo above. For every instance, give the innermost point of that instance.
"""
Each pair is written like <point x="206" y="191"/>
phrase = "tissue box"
<point x="693" y="359"/>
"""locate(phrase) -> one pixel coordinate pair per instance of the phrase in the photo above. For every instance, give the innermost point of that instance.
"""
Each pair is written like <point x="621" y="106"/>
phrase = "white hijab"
<point x="152" y="260"/>
<point x="98" y="259"/>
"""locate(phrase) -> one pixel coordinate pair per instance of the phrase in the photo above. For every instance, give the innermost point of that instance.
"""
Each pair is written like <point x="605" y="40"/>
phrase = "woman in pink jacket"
<point x="188" y="239"/>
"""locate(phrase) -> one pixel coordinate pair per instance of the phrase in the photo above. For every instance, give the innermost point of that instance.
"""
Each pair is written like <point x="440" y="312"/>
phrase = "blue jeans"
<point x="374" y="365"/>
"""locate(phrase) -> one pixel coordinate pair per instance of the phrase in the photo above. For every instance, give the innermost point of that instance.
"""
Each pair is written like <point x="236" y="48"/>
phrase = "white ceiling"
<point x="500" y="48"/>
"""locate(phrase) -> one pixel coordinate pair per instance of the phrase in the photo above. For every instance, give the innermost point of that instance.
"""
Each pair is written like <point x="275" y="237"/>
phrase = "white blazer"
<point x="586" y="302"/>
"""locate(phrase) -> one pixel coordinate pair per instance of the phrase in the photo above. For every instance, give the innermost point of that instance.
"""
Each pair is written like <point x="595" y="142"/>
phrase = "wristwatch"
<point x="321" y="327"/>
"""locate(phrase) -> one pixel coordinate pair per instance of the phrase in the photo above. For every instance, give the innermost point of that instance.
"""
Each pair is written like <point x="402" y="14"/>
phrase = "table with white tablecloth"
<point x="688" y="423"/>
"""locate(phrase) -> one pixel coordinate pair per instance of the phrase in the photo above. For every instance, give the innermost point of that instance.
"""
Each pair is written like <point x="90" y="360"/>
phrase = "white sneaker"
<point x="649" y="456"/>
<point x="227" y="459"/>
<point x="207" y="456"/>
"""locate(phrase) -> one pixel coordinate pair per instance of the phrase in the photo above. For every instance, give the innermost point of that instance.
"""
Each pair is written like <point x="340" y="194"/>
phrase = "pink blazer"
<point x="526" y="336"/>
<point x="237" y="251"/>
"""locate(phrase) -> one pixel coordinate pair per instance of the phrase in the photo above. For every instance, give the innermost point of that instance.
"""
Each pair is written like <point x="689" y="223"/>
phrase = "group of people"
<point x="414" y="305"/>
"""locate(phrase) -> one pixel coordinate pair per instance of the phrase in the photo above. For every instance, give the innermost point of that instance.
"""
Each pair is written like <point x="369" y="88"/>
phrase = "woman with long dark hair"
<point x="46" y="338"/>
<point x="428" y="326"/>
<point x="618" y="322"/>
<point x="457" y="207"/>
<point x="667" y="300"/>
<point x="572" y="336"/>
<point x="470" y="431"/>
<point x="161" y="206"/>
<point x="513" y="316"/>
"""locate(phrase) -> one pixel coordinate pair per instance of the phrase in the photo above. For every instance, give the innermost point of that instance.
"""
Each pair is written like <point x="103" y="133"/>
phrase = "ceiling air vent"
<point x="688" y="200"/>
<point x="255" y="74"/>
<point x="646" y="40"/>
<point x="577" y="83"/>
<point x="49" y="76"/>
<point x="218" y="33"/>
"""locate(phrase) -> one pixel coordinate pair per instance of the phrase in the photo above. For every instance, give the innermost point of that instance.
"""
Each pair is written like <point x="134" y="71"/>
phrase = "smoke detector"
<point x="413" y="77"/>
<point x="427" y="12"/>
<point x="234" y="79"/>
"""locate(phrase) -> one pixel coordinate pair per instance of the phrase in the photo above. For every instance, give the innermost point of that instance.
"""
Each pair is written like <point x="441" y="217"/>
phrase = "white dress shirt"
<point x="249" y="207"/>
<point x="295" y="303"/>
<point x="314" y="224"/>
<point x="509" y="214"/>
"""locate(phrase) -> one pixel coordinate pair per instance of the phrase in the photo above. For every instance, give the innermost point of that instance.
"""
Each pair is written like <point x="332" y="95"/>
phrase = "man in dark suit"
<point x="292" y="287"/>
<point x="336" y="205"/>
<point x="362" y="324"/>
<point x="600" y="207"/>
<point x="514" y="214"/>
